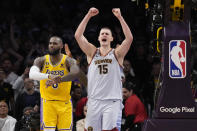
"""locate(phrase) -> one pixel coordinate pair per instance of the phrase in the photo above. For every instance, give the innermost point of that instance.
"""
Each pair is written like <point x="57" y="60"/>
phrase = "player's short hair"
<point x="57" y="37"/>
<point x="106" y="27"/>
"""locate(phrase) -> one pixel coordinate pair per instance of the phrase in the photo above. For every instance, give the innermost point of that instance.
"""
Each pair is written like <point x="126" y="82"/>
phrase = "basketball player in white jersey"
<point x="104" y="74"/>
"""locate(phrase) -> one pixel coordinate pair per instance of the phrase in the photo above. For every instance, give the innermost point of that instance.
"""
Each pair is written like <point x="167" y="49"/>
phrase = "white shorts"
<point x="102" y="114"/>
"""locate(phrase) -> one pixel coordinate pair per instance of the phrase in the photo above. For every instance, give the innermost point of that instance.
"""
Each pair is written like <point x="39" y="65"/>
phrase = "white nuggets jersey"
<point x="104" y="77"/>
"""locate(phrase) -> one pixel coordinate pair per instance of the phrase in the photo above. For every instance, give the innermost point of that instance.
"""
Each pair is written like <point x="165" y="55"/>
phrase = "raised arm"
<point x="86" y="47"/>
<point x="122" y="50"/>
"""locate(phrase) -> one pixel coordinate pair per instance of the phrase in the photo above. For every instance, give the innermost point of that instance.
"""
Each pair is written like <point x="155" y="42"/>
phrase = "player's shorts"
<point x="102" y="114"/>
<point x="56" y="114"/>
<point x="119" y="121"/>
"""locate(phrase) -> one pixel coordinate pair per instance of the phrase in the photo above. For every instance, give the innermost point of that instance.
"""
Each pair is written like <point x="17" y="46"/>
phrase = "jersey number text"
<point x="103" y="69"/>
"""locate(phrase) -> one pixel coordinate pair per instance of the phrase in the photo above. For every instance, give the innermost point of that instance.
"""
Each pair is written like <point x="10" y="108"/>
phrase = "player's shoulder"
<point x="68" y="58"/>
<point x="40" y="60"/>
<point x="70" y="61"/>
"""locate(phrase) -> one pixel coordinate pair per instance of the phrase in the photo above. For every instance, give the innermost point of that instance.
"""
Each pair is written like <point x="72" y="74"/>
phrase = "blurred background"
<point x="27" y="25"/>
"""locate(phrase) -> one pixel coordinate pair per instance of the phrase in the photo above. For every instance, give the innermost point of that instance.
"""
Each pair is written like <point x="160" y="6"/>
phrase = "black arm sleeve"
<point x="129" y="121"/>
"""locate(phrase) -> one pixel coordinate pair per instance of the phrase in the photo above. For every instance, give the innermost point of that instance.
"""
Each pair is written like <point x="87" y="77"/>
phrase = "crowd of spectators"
<point x="26" y="26"/>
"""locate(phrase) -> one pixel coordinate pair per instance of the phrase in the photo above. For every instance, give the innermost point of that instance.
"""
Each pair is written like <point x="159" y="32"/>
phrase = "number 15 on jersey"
<point x="103" y="69"/>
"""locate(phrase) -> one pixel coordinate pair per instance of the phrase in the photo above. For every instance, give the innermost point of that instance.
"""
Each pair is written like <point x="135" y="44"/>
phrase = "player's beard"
<point x="54" y="52"/>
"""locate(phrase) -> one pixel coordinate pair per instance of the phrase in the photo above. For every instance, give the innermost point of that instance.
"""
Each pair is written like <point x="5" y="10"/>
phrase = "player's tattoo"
<point x="70" y="62"/>
<point x="39" y="62"/>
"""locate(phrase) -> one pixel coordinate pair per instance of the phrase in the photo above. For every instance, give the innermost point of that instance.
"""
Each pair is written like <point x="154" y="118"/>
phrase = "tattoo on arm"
<point x="70" y="62"/>
<point x="74" y="68"/>
<point x="39" y="62"/>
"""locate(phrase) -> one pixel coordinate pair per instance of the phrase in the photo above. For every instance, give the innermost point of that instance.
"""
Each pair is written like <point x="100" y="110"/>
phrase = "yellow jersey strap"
<point x="48" y="61"/>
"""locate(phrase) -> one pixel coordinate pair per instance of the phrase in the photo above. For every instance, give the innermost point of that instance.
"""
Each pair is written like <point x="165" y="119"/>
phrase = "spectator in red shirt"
<point x="134" y="109"/>
<point x="79" y="108"/>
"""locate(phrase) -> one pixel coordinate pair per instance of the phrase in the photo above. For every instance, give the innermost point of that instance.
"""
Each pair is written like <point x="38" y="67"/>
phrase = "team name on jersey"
<point x="103" y="61"/>
<point x="58" y="72"/>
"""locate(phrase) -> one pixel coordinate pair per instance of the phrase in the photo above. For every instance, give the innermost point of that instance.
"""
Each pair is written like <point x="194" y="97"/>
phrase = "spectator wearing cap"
<point x="134" y="109"/>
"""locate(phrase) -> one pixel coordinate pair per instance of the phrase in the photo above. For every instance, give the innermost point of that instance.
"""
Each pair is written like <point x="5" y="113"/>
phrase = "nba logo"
<point x="177" y="59"/>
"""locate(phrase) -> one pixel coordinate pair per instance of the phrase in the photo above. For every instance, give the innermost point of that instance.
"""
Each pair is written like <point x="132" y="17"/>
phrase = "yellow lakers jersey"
<point x="60" y="91"/>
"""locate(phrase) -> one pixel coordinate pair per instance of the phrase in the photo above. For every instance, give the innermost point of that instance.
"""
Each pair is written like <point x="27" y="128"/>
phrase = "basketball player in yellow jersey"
<point x="55" y="72"/>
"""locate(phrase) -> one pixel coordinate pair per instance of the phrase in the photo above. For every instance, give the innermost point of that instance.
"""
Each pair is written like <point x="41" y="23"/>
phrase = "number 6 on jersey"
<point x="55" y="86"/>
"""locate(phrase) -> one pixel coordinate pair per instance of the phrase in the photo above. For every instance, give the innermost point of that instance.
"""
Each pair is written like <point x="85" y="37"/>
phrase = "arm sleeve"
<point x="35" y="74"/>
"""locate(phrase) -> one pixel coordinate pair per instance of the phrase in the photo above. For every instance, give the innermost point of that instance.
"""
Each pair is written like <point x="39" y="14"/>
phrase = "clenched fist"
<point x="116" y="12"/>
<point x="93" y="11"/>
<point x="55" y="78"/>
<point x="49" y="83"/>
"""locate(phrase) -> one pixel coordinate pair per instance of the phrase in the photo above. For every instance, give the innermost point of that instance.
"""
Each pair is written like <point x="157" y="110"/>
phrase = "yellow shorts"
<point x="56" y="114"/>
